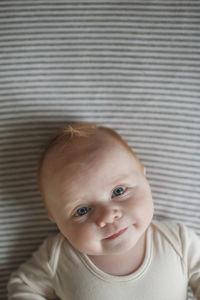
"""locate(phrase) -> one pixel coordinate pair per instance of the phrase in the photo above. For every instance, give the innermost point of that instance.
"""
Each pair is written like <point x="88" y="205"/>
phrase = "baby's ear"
<point x="51" y="218"/>
<point x="144" y="171"/>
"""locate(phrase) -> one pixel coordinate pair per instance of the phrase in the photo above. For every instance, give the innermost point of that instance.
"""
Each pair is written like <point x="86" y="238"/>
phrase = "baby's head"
<point x="95" y="190"/>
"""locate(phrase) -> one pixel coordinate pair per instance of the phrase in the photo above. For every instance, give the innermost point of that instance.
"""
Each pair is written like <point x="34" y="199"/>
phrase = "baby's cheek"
<point x="82" y="235"/>
<point x="141" y="203"/>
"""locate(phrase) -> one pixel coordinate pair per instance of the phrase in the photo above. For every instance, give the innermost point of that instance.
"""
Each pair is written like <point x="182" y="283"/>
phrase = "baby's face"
<point x="100" y="201"/>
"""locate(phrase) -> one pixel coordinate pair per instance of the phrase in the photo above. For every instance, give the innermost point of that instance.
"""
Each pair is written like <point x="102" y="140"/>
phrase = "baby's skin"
<point x="98" y="195"/>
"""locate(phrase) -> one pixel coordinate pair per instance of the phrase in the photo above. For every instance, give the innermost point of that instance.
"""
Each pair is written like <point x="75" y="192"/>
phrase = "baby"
<point x="95" y="190"/>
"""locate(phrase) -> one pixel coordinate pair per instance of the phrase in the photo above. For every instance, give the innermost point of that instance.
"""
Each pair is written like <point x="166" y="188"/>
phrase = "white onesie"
<point x="57" y="270"/>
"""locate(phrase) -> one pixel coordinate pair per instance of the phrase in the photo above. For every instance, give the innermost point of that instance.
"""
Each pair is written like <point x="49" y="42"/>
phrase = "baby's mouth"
<point x="112" y="237"/>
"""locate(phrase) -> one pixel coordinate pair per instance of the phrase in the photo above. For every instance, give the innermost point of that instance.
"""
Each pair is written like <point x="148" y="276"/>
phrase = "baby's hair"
<point x="64" y="139"/>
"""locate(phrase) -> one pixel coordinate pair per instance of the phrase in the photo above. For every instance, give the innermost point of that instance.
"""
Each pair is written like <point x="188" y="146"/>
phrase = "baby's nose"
<point x="108" y="215"/>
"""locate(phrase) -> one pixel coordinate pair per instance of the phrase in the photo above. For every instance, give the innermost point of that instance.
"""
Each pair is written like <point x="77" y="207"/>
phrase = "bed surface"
<point x="131" y="65"/>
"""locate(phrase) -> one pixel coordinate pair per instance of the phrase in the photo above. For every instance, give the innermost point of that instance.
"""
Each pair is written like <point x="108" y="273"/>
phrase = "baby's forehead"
<point x="79" y="152"/>
<point x="82" y="149"/>
<point x="78" y="144"/>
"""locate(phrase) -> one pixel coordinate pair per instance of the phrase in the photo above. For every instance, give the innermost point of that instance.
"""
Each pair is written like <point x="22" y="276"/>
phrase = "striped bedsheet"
<point x="130" y="65"/>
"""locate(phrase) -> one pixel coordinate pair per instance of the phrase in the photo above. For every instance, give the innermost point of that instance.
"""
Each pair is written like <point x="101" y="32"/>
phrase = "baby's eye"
<point x="118" y="191"/>
<point x="82" y="211"/>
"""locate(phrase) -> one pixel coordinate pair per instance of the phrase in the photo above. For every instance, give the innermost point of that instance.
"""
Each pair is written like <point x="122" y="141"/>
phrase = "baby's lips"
<point x="115" y="235"/>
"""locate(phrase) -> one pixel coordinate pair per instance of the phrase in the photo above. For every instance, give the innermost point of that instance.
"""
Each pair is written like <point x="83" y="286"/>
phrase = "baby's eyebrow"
<point x="120" y="179"/>
<point x="71" y="206"/>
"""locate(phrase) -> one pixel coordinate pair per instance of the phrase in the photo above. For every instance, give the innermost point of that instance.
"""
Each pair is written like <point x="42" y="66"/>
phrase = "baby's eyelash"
<point x="118" y="191"/>
<point x="82" y="211"/>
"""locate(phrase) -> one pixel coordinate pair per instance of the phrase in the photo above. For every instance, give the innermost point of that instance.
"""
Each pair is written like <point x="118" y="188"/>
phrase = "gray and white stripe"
<point x="131" y="65"/>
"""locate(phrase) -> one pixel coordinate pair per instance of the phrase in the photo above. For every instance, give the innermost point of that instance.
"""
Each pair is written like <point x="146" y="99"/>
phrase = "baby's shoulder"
<point x="168" y="227"/>
<point x="53" y="245"/>
<point x="50" y="249"/>
<point x="56" y="248"/>
<point x="172" y="232"/>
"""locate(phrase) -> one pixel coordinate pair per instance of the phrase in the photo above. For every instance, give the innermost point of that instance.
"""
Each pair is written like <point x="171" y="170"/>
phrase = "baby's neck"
<point x="122" y="264"/>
